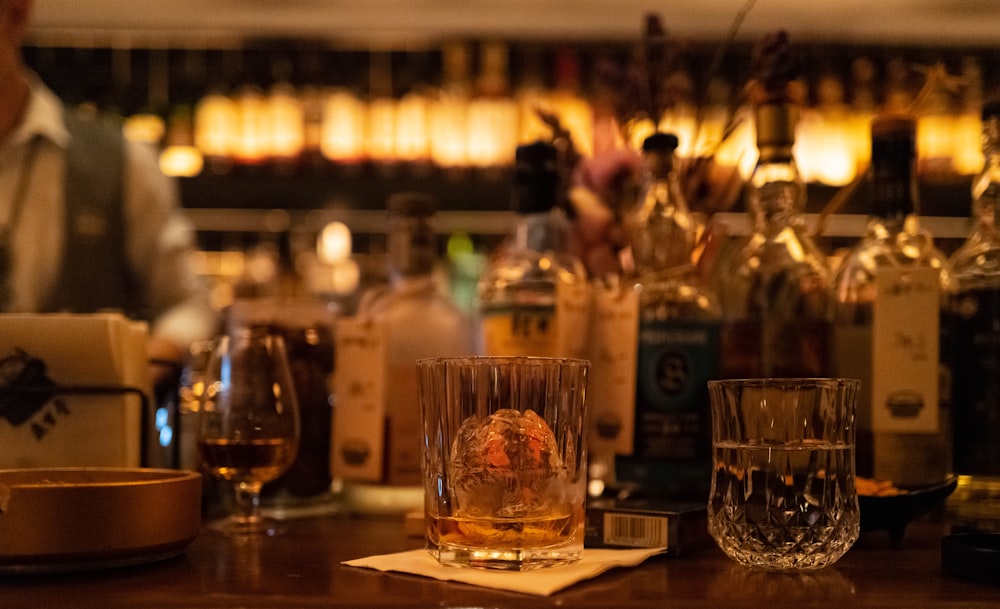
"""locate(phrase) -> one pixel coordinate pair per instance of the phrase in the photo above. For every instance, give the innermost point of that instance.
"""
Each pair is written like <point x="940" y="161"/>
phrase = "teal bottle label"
<point x="675" y="361"/>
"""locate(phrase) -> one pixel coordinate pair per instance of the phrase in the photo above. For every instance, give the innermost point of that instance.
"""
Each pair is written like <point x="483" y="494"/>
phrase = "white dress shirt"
<point x="158" y="237"/>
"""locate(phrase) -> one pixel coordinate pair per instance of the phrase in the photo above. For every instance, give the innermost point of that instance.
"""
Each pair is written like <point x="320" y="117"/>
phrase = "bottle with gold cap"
<point x="676" y="339"/>
<point x="890" y="288"/>
<point x="775" y="283"/>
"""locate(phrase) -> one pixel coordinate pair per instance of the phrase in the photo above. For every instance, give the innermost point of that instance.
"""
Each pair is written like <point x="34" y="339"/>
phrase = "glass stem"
<point x="248" y="501"/>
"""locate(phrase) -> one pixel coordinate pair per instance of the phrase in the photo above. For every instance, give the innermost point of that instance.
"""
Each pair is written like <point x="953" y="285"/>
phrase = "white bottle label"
<point x="359" y="417"/>
<point x="905" y="348"/>
<point x="614" y="344"/>
<point x="573" y="302"/>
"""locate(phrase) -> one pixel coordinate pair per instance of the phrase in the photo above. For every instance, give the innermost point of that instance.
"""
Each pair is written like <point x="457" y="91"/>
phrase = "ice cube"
<point x="506" y="466"/>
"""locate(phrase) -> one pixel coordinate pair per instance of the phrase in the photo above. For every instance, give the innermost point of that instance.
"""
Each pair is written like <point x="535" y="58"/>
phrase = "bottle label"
<point x="525" y="330"/>
<point x="905" y="352"/>
<point x="403" y="427"/>
<point x="359" y="420"/>
<point x="614" y="345"/>
<point x="543" y="330"/>
<point x="574" y="318"/>
<point x="976" y="382"/>
<point x="675" y="361"/>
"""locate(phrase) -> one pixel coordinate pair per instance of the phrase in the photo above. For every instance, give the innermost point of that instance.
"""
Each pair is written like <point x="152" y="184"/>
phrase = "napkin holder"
<point x="73" y="391"/>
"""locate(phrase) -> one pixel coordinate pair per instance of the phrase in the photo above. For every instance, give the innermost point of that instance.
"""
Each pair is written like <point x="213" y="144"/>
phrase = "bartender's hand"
<point x="166" y="358"/>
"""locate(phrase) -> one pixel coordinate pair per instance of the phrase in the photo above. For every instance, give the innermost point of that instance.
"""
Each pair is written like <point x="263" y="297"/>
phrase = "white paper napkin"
<point x="541" y="582"/>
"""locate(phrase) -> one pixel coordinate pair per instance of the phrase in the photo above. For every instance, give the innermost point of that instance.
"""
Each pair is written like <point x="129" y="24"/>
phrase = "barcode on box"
<point x="635" y="531"/>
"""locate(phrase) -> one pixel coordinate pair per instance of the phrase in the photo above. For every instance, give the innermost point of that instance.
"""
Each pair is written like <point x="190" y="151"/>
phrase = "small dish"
<point x="893" y="512"/>
<point x="75" y="519"/>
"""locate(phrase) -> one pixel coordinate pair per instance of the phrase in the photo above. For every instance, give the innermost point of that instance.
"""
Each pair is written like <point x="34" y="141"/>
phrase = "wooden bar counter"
<point x="302" y="569"/>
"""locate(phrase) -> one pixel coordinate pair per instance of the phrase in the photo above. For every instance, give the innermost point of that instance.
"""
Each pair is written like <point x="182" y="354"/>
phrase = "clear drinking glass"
<point x="504" y="460"/>
<point x="783" y="490"/>
<point x="248" y="428"/>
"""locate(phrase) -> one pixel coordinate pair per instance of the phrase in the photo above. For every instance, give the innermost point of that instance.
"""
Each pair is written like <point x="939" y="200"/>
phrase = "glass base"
<point x="507" y="560"/>
<point x="380" y="499"/>
<point x="288" y="507"/>
<point x="787" y="556"/>
<point x="236" y="526"/>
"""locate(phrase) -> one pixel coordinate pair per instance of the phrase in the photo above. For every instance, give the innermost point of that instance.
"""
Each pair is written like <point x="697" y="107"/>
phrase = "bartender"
<point x="87" y="220"/>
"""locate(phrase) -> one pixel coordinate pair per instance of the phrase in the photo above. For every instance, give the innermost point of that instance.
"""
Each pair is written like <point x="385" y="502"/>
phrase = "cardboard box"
<point x="680" y="528"/>
<point x="71" y="390"/>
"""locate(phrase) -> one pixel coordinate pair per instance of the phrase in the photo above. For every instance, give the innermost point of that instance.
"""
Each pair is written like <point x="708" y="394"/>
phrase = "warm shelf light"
<point x="145" y="127"/>
<point x="968" y="155"/>
<point x="449" y="110"/>
<point x="252" y="142"/>
<point x="380" y="132"/>
<point x="935" y="142"/>
<point x="491" y="132"/>
<point x="412" y="139"/>
<point x="680" y="120"/>
<point x="216" y="127"/>
<point x="448" y="128"/>
<point x="343" y="130"/>
<point x="334" y="243"/>
<point x="286" y="123"/>
<point x="180" y="157"/>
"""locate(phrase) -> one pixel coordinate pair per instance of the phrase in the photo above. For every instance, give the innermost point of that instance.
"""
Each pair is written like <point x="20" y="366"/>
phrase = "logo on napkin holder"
<point x="25" y="389"/>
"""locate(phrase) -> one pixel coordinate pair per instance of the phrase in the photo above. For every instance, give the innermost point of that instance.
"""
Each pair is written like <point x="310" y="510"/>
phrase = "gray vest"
<point x="95" y="274"/>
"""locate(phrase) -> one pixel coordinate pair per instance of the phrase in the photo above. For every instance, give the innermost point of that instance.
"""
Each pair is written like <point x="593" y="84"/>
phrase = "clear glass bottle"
<point x="662" y="232"/>
<point x="533" y="295"/>
<point x="975" y="348"/>
<point x="775" y="284"/>
<point x="377" y="418"/>
<point x="678" y="342"/>
<point x="889" y="290"/>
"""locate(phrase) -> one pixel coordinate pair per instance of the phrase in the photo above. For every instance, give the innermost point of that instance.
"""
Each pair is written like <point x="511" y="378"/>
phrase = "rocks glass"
<point x="504" y="460"/>
<point x="783" y="494"/>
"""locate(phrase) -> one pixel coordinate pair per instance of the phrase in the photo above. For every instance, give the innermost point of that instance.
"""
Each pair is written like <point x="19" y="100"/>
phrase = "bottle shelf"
<point x="472" y="201"/>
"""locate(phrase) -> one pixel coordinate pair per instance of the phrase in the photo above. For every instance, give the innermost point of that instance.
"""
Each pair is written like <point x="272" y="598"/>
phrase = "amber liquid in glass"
<point x="503" y="533"/>
<point x="257" y="460"/>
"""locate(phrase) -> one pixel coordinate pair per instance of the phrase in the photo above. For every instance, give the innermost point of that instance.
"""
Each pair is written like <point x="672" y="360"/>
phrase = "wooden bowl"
<point x="69" y="519"/>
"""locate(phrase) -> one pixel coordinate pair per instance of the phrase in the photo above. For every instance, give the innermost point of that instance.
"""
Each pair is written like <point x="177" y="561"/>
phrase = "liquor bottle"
<point x="661" y="230"/>
<point x="677" y="345"/>
<point x="889" y="290"/>
<point x="533" y="295"/>
<point x="775" y="283"/>
<point x="376" y="439"/>
<point x="306" y="326"/>
<point x="975" y="347"/>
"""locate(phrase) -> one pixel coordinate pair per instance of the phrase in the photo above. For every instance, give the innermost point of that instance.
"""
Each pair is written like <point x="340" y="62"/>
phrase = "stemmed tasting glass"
<point x="248" y="429"/>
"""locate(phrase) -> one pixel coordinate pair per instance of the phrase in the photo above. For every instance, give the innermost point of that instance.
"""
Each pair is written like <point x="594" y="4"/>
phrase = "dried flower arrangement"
<point x="644" y="87"/>
<point x="651" y="82"/>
